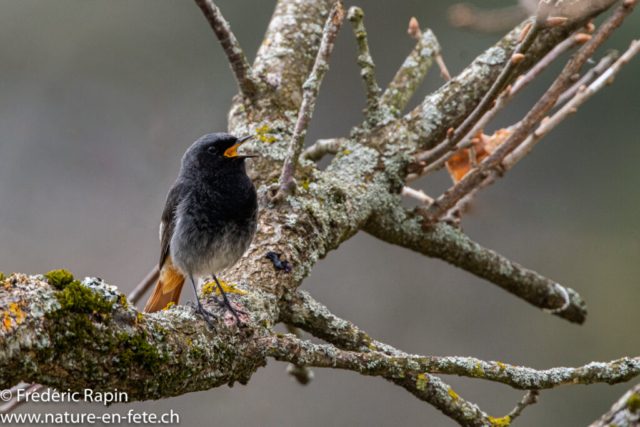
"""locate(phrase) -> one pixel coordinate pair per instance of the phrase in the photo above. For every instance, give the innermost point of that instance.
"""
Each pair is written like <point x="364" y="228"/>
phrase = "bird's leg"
<point x="226" y="304"/>
<point x="200" y="309"/>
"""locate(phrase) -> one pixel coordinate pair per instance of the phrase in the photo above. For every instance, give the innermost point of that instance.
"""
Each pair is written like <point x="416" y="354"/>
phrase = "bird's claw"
<point x="226" y="305"/>
<point x="206" y="314"/>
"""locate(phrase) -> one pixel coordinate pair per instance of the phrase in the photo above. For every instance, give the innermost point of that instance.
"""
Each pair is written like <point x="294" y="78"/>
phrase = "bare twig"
<point x="323" y="147"/>
<point x="490" y="97"/>
<point x="365" y="61"/>
<point x="570" y="108"/>
<point x="562" y="83"/>
<point x="547" y="125"/>
<point x="502" y="101"/>
<point x="310" y="93"/>
<point x="530" y="398"/>
<point x="145" y="285"/>
<point x="231" y="47"/>
<point x="444" y="72"/>
<point x="413" y="70"/>
<point x="416" y="194"/>
<point x="593" y="73"/>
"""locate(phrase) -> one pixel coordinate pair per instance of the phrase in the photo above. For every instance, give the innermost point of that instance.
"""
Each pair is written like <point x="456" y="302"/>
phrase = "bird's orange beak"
<point x="231" y="151"/>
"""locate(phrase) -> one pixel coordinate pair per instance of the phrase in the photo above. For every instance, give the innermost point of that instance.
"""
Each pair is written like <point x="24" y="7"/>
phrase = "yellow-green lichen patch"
<point x="211" y="287"/>
<point x="502" y="366"/>
<point x="422" y="382"/>
<point x="168" y="307"/>
<point x="633" y="403"/>
<point x="478" y="372"/>
<point x="500" y="422"/>
<point x="453" y="394"/>
<point x="263" y="135"/>
<point x="2" y="277"/>
<point x="305" y="184"/>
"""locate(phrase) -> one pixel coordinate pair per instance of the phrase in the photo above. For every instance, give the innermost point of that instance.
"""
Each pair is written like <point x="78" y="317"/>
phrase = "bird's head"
<point x="216" y="151"/>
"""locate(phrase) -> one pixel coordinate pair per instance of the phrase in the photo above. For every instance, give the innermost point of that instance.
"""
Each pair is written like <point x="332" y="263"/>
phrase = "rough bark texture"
<point x="86" y="335"/>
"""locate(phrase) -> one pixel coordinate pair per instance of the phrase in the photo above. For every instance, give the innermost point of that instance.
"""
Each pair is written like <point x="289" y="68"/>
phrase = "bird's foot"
<point x="226" y="305"/>
<point x="199" y="309"/>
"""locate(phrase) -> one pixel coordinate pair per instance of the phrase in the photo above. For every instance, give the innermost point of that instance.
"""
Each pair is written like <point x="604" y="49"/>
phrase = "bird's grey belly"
<point x="198" y="254"/>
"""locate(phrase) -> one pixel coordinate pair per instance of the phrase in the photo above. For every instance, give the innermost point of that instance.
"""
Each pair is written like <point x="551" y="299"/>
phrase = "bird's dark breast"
<point x="215" y="224"/>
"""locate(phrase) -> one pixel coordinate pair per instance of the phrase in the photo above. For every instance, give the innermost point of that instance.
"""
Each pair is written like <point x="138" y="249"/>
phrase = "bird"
<point x="208" y="222"/>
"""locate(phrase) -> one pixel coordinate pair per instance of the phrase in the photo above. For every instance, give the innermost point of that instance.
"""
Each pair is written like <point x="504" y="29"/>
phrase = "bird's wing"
<point x="167" y="222"/>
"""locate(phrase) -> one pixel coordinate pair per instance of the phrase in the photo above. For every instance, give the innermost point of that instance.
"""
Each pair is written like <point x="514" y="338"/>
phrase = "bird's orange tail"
<point x="168" y="288"/>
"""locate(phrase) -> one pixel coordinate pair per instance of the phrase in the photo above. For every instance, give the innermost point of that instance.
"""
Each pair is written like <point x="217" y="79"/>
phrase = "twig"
<point x="547" y="125"/>
<point x="231" y="47"/>
<point x="570" y="108"/>
<point x="502" y="101"/>
<point x="413" y="70"/>
<point x="530" y="398"/>
<point x="593" y="73"/>
<point x="487" y="102"/>
<point x="322" y="147"/>
<point x="310" y="90"/>
<point x="416" y="194"/>
<point x="476" y="175"/>
<point x="365" y="61"/>
<point x="444" y="72"/>
<point x="145" y="285"/>
<point x="14" y="402"/>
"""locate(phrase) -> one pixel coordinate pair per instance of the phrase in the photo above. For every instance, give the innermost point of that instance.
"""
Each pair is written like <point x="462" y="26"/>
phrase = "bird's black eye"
<point x="211" y="150"/>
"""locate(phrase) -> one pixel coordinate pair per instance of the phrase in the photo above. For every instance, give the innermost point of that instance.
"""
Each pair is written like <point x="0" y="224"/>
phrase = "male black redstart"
<point x="208" y="221"/>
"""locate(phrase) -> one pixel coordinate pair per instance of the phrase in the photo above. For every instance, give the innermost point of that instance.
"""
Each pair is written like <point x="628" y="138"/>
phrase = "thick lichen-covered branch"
<point x="407" y="228"/>
<point x="231" y="47"/>
<point x="69" y="334"/>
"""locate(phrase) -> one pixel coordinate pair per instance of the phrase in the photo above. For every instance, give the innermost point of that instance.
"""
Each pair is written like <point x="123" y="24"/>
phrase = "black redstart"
<point x="208" y="221"/>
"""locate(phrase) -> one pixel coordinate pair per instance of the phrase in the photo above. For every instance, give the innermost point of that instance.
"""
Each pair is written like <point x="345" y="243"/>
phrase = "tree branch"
<point x="624" y="413"/>
<point x="310" y="93"/>
<point x="405" y="228"/>
<point x="412" y="72"/>
<point x="231" y="47"/>
<point x="365" y="61"/>
<point x="562" y="83"/>
<point x="322" y="147"/>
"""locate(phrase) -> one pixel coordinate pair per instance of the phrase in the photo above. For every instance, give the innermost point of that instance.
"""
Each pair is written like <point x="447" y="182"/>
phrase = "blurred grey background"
<point x="99" y="100"/>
